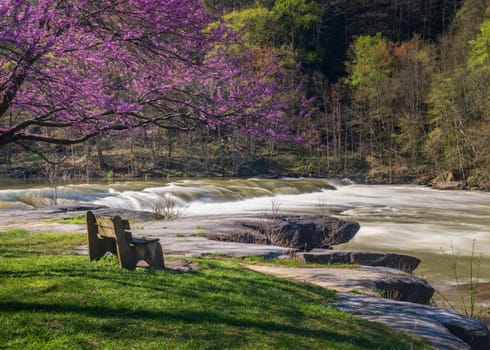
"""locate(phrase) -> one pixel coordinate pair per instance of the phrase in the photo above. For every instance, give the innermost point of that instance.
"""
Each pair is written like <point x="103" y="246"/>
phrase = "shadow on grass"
<point x="221" y="305"/>
<point x="115" y="319"/>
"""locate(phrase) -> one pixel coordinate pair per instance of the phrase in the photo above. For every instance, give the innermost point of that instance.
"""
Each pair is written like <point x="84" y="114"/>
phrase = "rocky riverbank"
<point x="186" y="237"/>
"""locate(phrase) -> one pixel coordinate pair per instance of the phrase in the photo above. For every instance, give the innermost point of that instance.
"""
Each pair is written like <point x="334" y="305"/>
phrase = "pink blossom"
<point x="94" y="67"/>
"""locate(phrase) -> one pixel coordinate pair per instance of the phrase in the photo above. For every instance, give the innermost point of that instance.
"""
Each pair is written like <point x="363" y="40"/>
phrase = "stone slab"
<point x="374" y="281"/>
<point x="401" y="262"/>
<point x="444" y="329"/>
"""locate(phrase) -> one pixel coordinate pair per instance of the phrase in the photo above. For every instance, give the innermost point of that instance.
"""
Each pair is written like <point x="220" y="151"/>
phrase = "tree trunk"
<point x="87" y="160"/>
<point x="100" y="155"/>
<point x="169" y="147"/>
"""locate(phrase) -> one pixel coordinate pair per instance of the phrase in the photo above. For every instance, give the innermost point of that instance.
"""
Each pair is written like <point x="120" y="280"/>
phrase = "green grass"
<point x="199" y="234"/>
<point x="22" y="243"/>
<point x="63" y="301"/>
<point x="78" y="219"/>
<point x="292" y="262"/>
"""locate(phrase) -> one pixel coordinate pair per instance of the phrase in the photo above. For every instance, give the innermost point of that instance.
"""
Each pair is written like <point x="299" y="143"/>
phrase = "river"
<point x="435" y="226"/>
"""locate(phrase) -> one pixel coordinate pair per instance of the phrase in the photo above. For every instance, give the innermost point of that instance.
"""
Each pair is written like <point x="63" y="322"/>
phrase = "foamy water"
<point x="403" y="218"/>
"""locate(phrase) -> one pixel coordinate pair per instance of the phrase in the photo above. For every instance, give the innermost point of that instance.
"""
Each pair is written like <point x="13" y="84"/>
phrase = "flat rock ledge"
<point x="400" y="262"/>
<point x="443" y="329"/>
<point x="368" y="280"/>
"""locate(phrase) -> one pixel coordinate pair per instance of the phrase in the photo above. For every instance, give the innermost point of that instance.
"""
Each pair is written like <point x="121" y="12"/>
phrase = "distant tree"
<point x="458" y="99"/>
<point x="444" y="144"/>
<point x="370" y="78"/>
<point x="294" y="19"/>
<point x="71" y="70"/>
<point x="370" y="63"/>
<point x="479" y="92"/>
<point x="414" y="66"/>
<point x="257" y="22"/>
<point x="479" y="66"/>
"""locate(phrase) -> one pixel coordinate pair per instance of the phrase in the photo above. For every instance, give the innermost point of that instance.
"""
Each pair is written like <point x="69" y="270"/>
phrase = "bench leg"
<point x="127" y="256"/>
<point x="155" y="258"/>
<point x="152" y="253"/>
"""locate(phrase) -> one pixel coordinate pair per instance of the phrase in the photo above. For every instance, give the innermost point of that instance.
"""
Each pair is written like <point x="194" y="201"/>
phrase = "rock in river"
<point x="304" y="232"/>
<point x="400" y="262"/>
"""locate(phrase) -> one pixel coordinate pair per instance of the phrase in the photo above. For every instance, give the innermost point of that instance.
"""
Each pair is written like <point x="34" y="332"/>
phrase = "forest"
<point x="394" y="91"/>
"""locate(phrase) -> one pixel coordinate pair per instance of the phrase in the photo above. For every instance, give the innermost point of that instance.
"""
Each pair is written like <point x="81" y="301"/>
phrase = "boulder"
<point x="303" y="231"/>
<point x="401" y="262"/>
<point x="446" y="181"/>
<point x="448" y="185"/>
<point x="444" y="329"/>
<point x="405" y="287"/>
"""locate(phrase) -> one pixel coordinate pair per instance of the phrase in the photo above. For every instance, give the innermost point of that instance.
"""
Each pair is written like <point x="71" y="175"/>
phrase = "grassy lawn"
<point x="53" y="299"/>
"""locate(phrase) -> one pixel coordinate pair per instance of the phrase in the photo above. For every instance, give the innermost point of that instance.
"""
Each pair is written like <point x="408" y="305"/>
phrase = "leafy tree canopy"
<point x="256" y="21"/>
<point x="71" y="70"/>
<point x="479" y="56"/>
<point x="370" y="62"/>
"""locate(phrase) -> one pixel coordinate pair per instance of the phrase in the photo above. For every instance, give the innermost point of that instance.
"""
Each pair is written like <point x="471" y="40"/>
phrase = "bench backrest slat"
<point x="105" y="226"/>
<point x="114" y="227"/>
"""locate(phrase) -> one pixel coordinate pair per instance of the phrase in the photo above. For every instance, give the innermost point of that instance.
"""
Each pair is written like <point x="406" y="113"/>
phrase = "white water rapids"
<point x="404" y="218"/>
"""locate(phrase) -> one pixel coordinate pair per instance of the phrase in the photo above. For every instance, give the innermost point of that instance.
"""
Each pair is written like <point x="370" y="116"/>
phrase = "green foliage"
<point x="270" y="32"/>
<point x="478" y="96"/>
<point x="479" y="56"/>
<point x="294" y="19"/>
<point x="110" y="175"/>
<point x="459" y="98"/>
<point x="441" y="98"/>
<point x="33" y="157"/>
<point x="370" y="63"/>
<point x="302" y="14"/>
<point x="258" y="23"/>
<point x="414" y="62"/>
<point x="371" y="82"/>
<point x="65" y="301"/>
<point x="479" y="65"/>
<point x="432" y="146"/>
<point x="447" y="104"/>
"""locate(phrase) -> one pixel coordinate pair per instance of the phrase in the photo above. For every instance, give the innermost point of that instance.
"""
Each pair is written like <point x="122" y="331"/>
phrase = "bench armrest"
<point x="143" y="240"/>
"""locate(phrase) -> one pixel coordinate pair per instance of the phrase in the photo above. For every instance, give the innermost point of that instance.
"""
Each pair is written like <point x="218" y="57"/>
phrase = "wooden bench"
<point x="113" y="234"/>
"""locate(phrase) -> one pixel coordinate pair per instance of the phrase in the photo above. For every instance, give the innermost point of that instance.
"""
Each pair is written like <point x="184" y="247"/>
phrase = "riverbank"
<point x="116" y="167"/>
<point x="51" y="298"/>
<point x="182" y="238"/>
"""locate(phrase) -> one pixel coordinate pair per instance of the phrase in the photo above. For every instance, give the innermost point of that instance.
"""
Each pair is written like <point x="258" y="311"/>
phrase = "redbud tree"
<point x="74" y="69"/>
